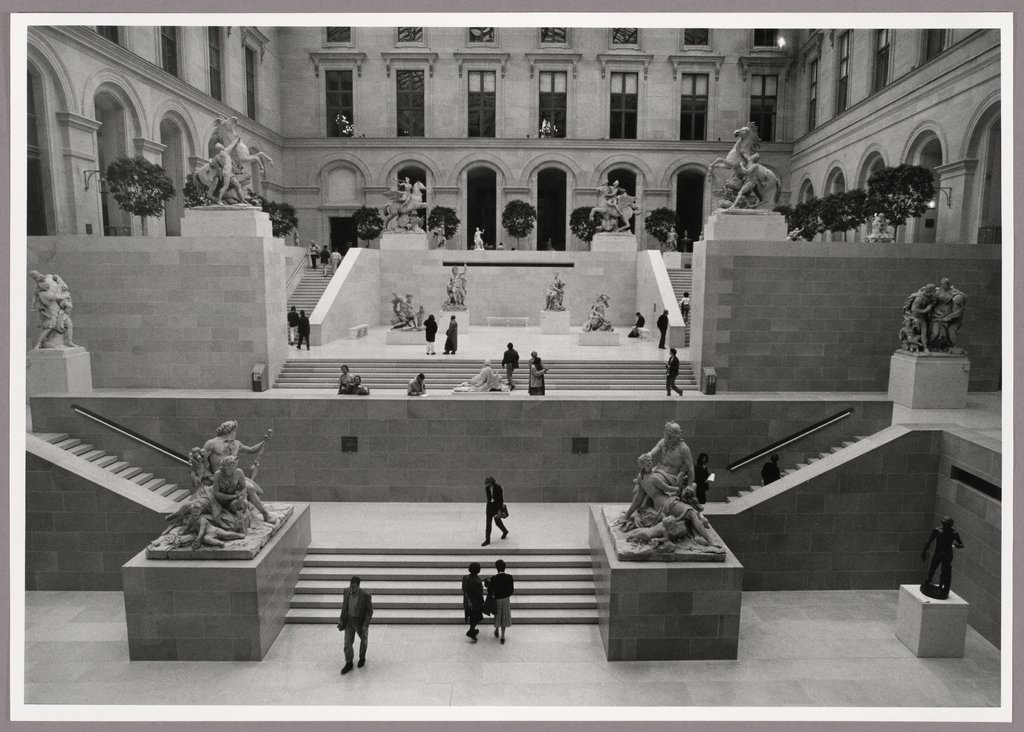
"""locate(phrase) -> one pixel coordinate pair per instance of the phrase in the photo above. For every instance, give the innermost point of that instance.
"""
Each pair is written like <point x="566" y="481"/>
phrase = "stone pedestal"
<point x="617" y="241"/>
<point x="554" y="322"/>
<point x="58" y="371"/>
<point x="206" y="610"/>
<point x="931" y="628"/>
<point x="233" y="221"/>
<point x="404" y="241"/>
<point x="929" y="381"/>
<point x="600" y="338"/>
<point x="661" y="611"/>
<point x="673" y="260"/>
<point x="745" y="225"/>
<point x="410" y="337"/>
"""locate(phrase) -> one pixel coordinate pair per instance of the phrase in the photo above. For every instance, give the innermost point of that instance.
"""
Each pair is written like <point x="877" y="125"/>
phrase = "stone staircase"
<point x="309" y="290"/>
<point x="725" y="494"/>
<point x="424" y="587"/>
<point x="682" y="281"/>
<point x="444" y="373"/>
<point x="111" y="463"/>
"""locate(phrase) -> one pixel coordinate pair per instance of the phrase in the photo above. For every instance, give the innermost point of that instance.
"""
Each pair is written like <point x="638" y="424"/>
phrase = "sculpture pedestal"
<point x="673" y="260"/>
<point x="746" y="225"/>
<point x="599" y="338"/>
<point x="931" y="628"/>
<point x="404" y="241"/>
<point x="935" y="381"/>
<point x="554" y="322"/>
<point x="407" y="338"/>
<point x="58" y="370"/>
<point x="614" y="241"/>
<point x="233" y="221"/>
<point x="206" y="610"/>
<point x="661" y="611"/>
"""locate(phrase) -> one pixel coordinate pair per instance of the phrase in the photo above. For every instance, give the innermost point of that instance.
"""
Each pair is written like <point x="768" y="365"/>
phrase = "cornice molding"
<point x="77" y="121"/>
<point x="352" y="58"/>
<point x="553" y="57"/>
<point x="682" y="61"/>
<point x="481" y="57"/>
<point x="422" y="57"/>
<point x="625" y="59"/>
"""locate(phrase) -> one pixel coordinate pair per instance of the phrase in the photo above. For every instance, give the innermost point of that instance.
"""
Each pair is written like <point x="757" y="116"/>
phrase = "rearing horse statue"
<point x="402" y="206"/>
<point x="748" y="175"/>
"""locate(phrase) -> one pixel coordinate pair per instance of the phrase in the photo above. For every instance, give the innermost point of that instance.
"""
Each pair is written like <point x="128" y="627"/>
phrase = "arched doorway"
<point x="926" y="152"/>
<point x="690" y="205"/>
<point x="174" y="163"/>
<point x="835" y="183"/>
<point x="551" y="185"/>
<point x="872" y="164"/>
<point x="627" y="181"/>
<point x="111" y="144"/>
<point x="481" y="205"/>
<point x="39" y="213"/>
<point x="982" y="206"/>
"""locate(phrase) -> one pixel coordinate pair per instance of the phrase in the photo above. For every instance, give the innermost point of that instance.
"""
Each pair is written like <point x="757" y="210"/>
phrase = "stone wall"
<point x="978" y="519"/>
<point x="440" y="450"/>
<point x="350" y="299"/>
<point x="77" y="534"/>
<point x="654" y="294"/>
<point x="172" y="312"/>
<point x="860" y="526"/>
<point x="797" y="316"/>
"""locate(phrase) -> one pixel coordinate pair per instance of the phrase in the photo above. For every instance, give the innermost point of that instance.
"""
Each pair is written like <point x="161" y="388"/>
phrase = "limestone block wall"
<point x="349" y="300"/>
<point x="859" y="526"/>
<point x="654" y="294"/>
<point x="978" y="519"/>
<point x="440" y="450"/>
<point x="77" y="535"/>
<point x="799" y="316"/>
<point x="171" y="312"/>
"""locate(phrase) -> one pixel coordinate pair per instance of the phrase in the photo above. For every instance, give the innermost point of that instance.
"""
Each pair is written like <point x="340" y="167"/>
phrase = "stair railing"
<point x="299" y="268"/>
<point x="799" y="435"/>
<point x="132" y="434"/>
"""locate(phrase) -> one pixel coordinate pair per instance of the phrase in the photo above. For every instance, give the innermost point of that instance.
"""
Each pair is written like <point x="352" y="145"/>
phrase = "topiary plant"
<point x="442" y="216"/>
<point x="140" y="187"/>
<point x="582" y="225"/>
<point x="518" y="218"/>
<point x="369" y="223"/>
<point x="283" y="217"/>
<point x="900" y="193"/>
<point x="660" y="222"/>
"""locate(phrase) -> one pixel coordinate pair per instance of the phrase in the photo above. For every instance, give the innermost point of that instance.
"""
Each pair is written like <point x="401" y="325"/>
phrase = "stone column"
<point x="954" y="221"/>
<point x="79" y="208"/>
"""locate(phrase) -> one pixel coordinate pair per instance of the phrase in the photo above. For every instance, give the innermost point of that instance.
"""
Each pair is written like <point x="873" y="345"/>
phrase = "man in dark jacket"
<point x="293" y="325"/>
<point x="473" y="599"/>
<point x="511" y="362"/>
<point x="671" y="373"/>
<point x="303" y="330"/>
<point x="663" y="327"/>
<point x="356" y="611"/>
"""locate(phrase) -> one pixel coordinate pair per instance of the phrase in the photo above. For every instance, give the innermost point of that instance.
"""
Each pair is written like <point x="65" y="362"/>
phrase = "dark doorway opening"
<point x="690" y="205"/>
<point x="551" y="209"/>
<point x="481" y="206"/>
<point x="343" y="234"/>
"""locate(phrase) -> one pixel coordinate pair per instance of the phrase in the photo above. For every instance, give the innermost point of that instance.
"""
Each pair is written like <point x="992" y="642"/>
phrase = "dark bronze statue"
<point x="946" y="540"/>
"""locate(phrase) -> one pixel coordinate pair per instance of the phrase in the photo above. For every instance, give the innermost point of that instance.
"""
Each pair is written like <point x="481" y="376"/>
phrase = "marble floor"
<point x="797" y="649"/>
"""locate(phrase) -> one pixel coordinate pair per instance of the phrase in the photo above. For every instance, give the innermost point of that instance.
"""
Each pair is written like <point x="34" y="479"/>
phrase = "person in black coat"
<point x="770" y="471"/>
<point x="637" y="325"/>
<point x="700" y="477"/>
<point x="430" y="326"/>
<point x="303" y="330"/>
<point x="451" y="341"/>
<point x="495" y="508"/>
<point x="293" y="325"/>
<point x="946" y="539"/>
<point x="501" y="587"/>
<point x="663" y="327"/>
<point x="672" y="373"/>
<point x="510" y="360"/>
<point x="473" y="599"/>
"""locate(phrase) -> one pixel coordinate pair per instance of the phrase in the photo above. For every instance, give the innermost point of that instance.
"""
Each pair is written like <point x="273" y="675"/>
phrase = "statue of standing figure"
<point x="597" y="319"/>
<point x="932" y="317"/>
<point x="456" y="290"/>
<point x="615" y="207"/>
<point x="671" y="241"/>
<point x="556" y="292"/>
<point x="52" y="301"/>
<point x="478" y="238"/>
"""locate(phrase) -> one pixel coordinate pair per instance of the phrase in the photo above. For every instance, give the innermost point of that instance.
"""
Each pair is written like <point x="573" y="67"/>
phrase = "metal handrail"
<point x="111" y="424"/>
<point x="790" y="439"/>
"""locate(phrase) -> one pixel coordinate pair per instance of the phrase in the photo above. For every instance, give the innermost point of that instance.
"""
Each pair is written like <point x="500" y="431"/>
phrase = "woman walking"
<point x="537" y="371"/>
<point x="473" y="599"/>
<point x="701" y="475"/>
<point x="496" y="510"/>
<point x="501" y="587"/>
<point x="430" y="326"/>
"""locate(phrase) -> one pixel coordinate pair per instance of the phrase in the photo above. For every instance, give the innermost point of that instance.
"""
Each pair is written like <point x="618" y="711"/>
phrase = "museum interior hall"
<point x="697" y="332"/>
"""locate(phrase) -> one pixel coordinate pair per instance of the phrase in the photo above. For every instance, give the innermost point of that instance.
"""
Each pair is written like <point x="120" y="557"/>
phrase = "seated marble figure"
<point x="487" y="380"/>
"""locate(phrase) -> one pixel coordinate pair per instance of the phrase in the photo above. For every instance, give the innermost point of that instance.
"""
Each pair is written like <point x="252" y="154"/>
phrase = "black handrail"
<point x="111" y="424"/>
<point x="792" y="438"/>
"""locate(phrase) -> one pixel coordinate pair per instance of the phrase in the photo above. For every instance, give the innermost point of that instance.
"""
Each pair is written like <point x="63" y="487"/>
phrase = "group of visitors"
<point x="321" y="257"/>
<point x="298" y="328"/>
<point x="487" y="379"/>
<point x="640" y="322"/>
<point x="351" y="384"/>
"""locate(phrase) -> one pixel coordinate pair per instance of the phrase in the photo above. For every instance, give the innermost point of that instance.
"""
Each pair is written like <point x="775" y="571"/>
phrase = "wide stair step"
<point x="425" y="586"/>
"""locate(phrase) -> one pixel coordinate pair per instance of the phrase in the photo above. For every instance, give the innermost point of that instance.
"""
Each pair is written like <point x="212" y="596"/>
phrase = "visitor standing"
<point x="537" y="373"/>
<point x="501" y="587"/>
<point x="511" y="362"/>
<point x="770" y="472"/>
<point x="314" y="254"/>
<point x="451" y="341"/>
<point x="701" y="475"/>
<point x="293" y="326"/>
<point x="946" y="539"/>
<point x="345" y="381"/>
<point x="356" y="612"/>
<point x="663" y="327"/>
<point x="671" y="373"/>
<point x="325" y="257"/>
<point x="303" y="330"/>
<point x="496" y="510"/>
<point x="684" y="308"/>
<point x="335" y="262"/>
<point x="637" y="325"/>
<point x="430" y="327"/>
<point x="473" y="599"/>
<point x="417" y="386"/>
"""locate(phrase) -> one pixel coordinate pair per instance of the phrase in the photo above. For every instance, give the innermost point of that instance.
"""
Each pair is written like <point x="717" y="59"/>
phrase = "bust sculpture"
<point x="597" y="319"/>
<point x="52" y="302"/>
<point x="932" y="317"/>
<point x="556" y="293"/>
<point x="456" y="291"/>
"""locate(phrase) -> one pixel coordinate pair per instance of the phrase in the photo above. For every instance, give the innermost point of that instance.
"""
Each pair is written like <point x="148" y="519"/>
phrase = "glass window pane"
<point x="631" y="83"/>
<point x="702" y="85"/>
<point x="561" y="82"/>
<point x="770" y="85"/>
<point x="474" y="81"/>
<point x="552" y="35"/>
<point x="489" y="81"/>
<point x="410" y="35"/>
<point x="481" y="35"/>
<point x="695" y="37"/>
<point x="339" y="35"/>
<point x="545" y="81"/>
<point x="625" y="36"/>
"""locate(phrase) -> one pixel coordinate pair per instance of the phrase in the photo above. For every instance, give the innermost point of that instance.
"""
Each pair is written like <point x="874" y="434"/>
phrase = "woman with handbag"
<point x="501" y="587"/>
<point x="473" y="599"/>
<point x="496" y="510"/>
<point x="537" y="372"/>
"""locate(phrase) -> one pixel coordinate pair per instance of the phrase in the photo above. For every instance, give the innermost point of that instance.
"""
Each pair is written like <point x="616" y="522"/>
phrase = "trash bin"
<point x="259" y="377"/>
<point x="710" y="379"/>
